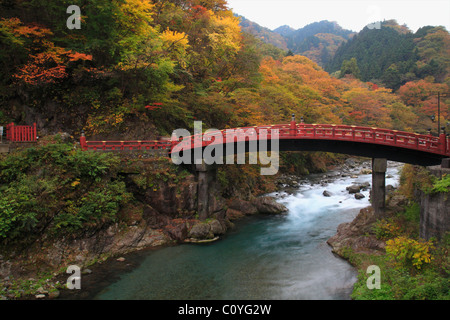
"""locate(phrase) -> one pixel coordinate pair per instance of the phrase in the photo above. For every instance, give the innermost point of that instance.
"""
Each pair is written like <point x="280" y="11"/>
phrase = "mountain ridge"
<point x="317" y="41"/>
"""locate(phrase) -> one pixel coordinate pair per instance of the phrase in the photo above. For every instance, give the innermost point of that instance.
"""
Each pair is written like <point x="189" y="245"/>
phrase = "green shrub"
<point x="412" y="213"/>
<point x="441" y="185"/>
<point x="409" y="252"/>
<point x="96" y="209"/>
<point x="386" y="229"/>
<point x="60" y="190"/>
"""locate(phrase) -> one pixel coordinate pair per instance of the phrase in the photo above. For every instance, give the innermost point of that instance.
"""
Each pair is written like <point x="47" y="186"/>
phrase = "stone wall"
<point x="435" y="210"/>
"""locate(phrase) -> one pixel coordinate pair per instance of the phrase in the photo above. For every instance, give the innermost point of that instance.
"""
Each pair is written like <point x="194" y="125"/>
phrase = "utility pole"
<point x="439" y="114"/>
<point x="439" y="95"/>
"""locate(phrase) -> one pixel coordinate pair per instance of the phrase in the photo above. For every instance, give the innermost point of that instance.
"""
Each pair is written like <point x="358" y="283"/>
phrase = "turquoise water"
<point x="264" y="257"/>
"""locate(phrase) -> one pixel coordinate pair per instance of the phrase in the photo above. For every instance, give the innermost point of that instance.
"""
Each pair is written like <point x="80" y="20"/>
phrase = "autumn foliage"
<point x="169" y="62"/>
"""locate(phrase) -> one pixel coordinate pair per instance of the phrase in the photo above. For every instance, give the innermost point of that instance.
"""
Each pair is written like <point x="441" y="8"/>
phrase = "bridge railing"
<point x="21" y="133"/>
<point x="427" y="143"/>
<point x="396" y="138"/>
<point x="126" y="145"/>
<point x="373" y="135"/>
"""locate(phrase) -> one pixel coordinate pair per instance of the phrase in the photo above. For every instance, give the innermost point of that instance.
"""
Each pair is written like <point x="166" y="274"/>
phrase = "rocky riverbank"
<point x="164" y="215"/>
<point x="358" y="235"/>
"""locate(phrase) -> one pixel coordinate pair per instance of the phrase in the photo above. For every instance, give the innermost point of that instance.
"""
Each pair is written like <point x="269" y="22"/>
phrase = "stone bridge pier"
<point x="378" y="194"/>
<point x="206" y="177"/>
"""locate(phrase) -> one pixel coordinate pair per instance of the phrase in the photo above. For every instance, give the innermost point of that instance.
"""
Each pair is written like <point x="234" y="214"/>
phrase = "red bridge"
<point x="353" y="140"/>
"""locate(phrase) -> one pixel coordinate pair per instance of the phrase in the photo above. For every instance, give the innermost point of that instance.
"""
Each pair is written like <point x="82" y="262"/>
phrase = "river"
<point x="263" y="257"/>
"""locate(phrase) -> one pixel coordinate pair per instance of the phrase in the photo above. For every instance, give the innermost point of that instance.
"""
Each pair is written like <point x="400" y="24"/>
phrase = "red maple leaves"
<point x="154" y="106"/>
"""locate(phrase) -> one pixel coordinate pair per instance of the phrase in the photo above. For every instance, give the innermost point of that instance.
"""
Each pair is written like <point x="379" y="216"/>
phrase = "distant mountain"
<point x="296" y="38"/>
<point x="317" y="41"/>
<point x="285" y="30"/>
<point x="262" y="33"/>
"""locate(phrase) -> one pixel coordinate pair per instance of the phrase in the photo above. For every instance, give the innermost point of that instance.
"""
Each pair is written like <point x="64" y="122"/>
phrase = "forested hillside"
<point x="393" y="55"/>
<point x="137" y="69"/>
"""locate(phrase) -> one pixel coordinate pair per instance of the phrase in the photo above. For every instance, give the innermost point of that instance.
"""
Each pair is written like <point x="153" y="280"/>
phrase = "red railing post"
<point x="10" y="132"/>
<point x="293" y="128"/>
<point x="34" y="132"/>
<point x="443" y="143"/>
<point x="447" y="144"/>
<point x="83" y="143"/>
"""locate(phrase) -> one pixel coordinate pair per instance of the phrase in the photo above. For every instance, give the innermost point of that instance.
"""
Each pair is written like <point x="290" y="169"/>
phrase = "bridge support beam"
<point x="378" y="195"/>
<point x="207" y="203"/>
<point x="202" y="191"/>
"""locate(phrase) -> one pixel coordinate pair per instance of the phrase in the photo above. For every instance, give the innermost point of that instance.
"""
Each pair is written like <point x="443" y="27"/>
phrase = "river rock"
<point x="269" y="205"/>
<point x="350" y="162"/>
<point x="397" y="202"/>
<point x="364" y="185"/>
<point x="40" y="296"/>
<point x="326" y="193"/>
<point x="178" y="231"/>
<point x="54" y="294"/>
<point x="246" y="207"/>
<point x="207" y="229"/>
<point x="353" y="188"/>
<point x="359" y="196"/>
<point x="201" y="231"/>
<point x="217" y="227"/>
<point x="365" y="171"/>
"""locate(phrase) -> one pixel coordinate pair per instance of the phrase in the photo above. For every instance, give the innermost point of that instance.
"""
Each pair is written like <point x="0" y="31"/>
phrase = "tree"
<point x="391" y="77"/>
<point x="350" y="67"/>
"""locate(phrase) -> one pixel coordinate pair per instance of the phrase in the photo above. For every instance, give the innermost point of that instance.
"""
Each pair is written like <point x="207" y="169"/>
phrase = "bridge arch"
<point x="424" y="150"/>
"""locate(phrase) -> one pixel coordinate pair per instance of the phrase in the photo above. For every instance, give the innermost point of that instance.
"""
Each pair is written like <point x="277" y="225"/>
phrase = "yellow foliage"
<point x="226" y="34"/>
<point x="75" y="183"/>
<point x="176" y="43"/>
<point x="138" y="13"/>
<point x="171" y="38"/>
<point x="406" y="251"/>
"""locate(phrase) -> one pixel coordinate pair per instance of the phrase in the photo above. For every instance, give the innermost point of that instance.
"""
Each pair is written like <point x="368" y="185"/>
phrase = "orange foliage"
<point x="46" y="63"/>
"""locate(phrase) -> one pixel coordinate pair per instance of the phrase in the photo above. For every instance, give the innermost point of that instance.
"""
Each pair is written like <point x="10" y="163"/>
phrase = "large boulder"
<point x="353" y="188"/>
<point x="357" y="235"/>
<point x="246" y="207"/>
<point x="207" y="229"/>
<point x="269" y="205"/>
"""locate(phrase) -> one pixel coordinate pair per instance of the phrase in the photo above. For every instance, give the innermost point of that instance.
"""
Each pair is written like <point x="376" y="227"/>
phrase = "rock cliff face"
<point x="164" y="213"/>
<point x="434" y="215"/>
<point x="434" y="209"/>
<point x="355" y="235"/>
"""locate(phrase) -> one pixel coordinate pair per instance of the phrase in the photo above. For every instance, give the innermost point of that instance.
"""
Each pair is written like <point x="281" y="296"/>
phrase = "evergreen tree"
<point x="350" y="67"/>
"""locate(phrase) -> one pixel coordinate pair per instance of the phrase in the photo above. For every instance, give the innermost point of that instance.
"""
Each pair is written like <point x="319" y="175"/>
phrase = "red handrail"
<point x="427" y="143"/>
<point x="438" y="145"/>
<point x="16" y="133"/>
